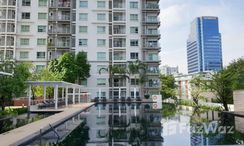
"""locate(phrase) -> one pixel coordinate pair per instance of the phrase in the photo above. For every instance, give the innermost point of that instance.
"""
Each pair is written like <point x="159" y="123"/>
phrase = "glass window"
<point x="83" y="4"/>
<point x="39" y="67"/>
<point x="101" y="69"/>
<point x="25" y="28"/>
<point x="83" y="29"/>
<point x="24" y="41"/>
<point x="134" y="30"/>
<point x="41" y="28"/>
<point x="83" y="16"/>
<point x="42" y="15"/>
<point x="133" y="42"/>
<point x="101" y="81"/>
<point x="101" y="29"/>
<point x="101" y="4"/>
<point x="134" y="5"/>
<point x="134" y="17"/>
<point x="82" y="42"/>
<point x="101" y="16"/>
<point x="134" y="81"/>
<point x="26" y="2"/>
<point x="25" y="15"/>
<point x="24" y="55"/>
<point x="101" y="42"/>
<point x="133" y="55"/>
<point x="42" y="3"/>
<point x="41" y="42"/>
<point x="101" y="56"/>
<point x="103" y="94"/>
<point x="40" y="55"/>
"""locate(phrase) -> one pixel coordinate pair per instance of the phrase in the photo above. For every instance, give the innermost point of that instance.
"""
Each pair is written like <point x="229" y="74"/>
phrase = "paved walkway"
<point x="29" y="131"/>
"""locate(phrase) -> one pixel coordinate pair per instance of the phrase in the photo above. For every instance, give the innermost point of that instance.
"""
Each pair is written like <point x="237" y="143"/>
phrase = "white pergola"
<point x="65" y="86"/>
<point x="5" y="73"/>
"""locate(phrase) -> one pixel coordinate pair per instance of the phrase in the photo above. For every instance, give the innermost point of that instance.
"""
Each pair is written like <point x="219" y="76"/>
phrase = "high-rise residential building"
<point x="204" y="49"/>
<point x="168" y="70"/>
<point x="111" y="32"/>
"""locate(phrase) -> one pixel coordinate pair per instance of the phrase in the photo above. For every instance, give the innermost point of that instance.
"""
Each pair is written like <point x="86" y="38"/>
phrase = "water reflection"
<point x="123" y="124"/>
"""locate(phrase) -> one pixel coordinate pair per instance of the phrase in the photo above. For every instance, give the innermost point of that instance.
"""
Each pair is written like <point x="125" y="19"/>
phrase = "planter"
<point x="146" y="96"/>
<point x="238" y="97"/>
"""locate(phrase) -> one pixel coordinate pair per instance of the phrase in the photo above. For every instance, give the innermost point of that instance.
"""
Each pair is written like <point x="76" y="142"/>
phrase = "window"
<point x="40" y="55"/>
<point x="101" y="81"/>
<point x="25" y="28"/>
<point x="26" y="2"/>
<point x="41" y="28"/>
<point x="25" y="15"/>
<point x="82" y="42"/>
<point x="83" y="4"/>
<point x="83" y="16"/>
<point x="101" y="69"/>
<point x="101" y="42"/>
<point x="133" y="42"/>
<point x="83" y="29"/>
<point x="134" y="30"/>
<point x="133" y="55"/>
<point x="101" y="56"/>
<point x="101" y="16"/>
<point x="103" y="94"/>
<point x="41" y="42"/>
<point x="84" y="82"/>
<point x="42" y="3"/>
<point x="101" y="4"/>
<point x="134" y="5"/>
<point x="39" y="67"/>
<point x="24" y="55"/>
<point x="101" y="29"/>
<point x="134" y="81"/>
<point x="42" y="15"/>
<point x="24" y="41"/>
<point x="134" y="17"/>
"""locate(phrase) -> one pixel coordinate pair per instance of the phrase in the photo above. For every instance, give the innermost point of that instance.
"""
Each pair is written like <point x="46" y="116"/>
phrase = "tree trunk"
<point x="2" y="103"/>
<point x="225" y="106"/>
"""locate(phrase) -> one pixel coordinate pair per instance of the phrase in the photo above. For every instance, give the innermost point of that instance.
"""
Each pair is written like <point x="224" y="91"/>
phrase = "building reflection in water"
<point x="122" y="124"/>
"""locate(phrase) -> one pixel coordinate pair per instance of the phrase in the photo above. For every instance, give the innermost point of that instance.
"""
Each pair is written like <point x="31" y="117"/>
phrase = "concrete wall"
<point x="238" y="97"/>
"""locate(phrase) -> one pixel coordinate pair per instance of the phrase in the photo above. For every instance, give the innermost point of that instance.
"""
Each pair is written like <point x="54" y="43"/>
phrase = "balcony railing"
<point x="60" y="30"/>
<point x="153" y="83"/>
<point x="60" y="4"/>
<point x="151" y="6"/>
<point x="152" y="32"/>
<point x="151" y="20"/>
<point x="151" y="45"/>
<point x="60" y="18"/>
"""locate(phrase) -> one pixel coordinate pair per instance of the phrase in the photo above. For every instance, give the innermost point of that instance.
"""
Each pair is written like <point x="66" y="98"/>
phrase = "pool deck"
<point x="25" y="133"/>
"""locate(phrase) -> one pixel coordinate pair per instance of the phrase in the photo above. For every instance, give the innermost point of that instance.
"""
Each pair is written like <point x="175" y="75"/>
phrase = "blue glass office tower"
<point x="204" y="50"/>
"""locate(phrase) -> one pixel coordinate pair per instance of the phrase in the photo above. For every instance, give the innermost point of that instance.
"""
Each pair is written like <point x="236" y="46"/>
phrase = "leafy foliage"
<point x="70" y="68"/>
<point x="13" y="86"/>
<point x="197" y="89"/>
<point x="168" y="87"/>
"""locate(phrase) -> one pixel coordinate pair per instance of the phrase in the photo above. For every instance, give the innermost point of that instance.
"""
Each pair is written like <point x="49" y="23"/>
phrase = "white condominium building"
<point x="111" y="32"/>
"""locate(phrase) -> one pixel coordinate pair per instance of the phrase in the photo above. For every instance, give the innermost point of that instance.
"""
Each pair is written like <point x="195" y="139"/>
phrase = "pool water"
<point x="138" y="124"/>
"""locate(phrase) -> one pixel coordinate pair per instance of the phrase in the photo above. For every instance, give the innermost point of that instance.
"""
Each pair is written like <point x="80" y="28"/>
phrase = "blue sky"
<point x="176" y="16"/>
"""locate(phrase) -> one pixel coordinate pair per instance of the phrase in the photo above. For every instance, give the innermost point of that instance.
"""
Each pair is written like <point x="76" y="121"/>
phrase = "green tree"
<point x="15" y="85"/>
<point x="83" y="67"/>
<point x="168" y="87"/>
<point x="197" y="89"/>
<point x="70" y="67"/>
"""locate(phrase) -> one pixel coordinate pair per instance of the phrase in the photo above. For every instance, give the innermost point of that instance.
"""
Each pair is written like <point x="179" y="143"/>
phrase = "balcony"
<point x="119" y="29"/>
<point x="63" y="42"/>
<point x="153" y="70"/>
<point x="119" y="56"/>
<point x="119" y="4"/>
<point x="59" y="17"/>
<point x="11" y="14"/>
<point x="151" y="57"/>
<point x="152" y="32"/>
<point x="151" y="7"/>
<point x="151" y="45"/>
<point x="60" y="4"/>
<point x="59" y="30"/>
<point x="151" y="20"/>
<point x="152" y="83"/>
<point x="119" y="16"/>
<point x="119" y="42"/>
